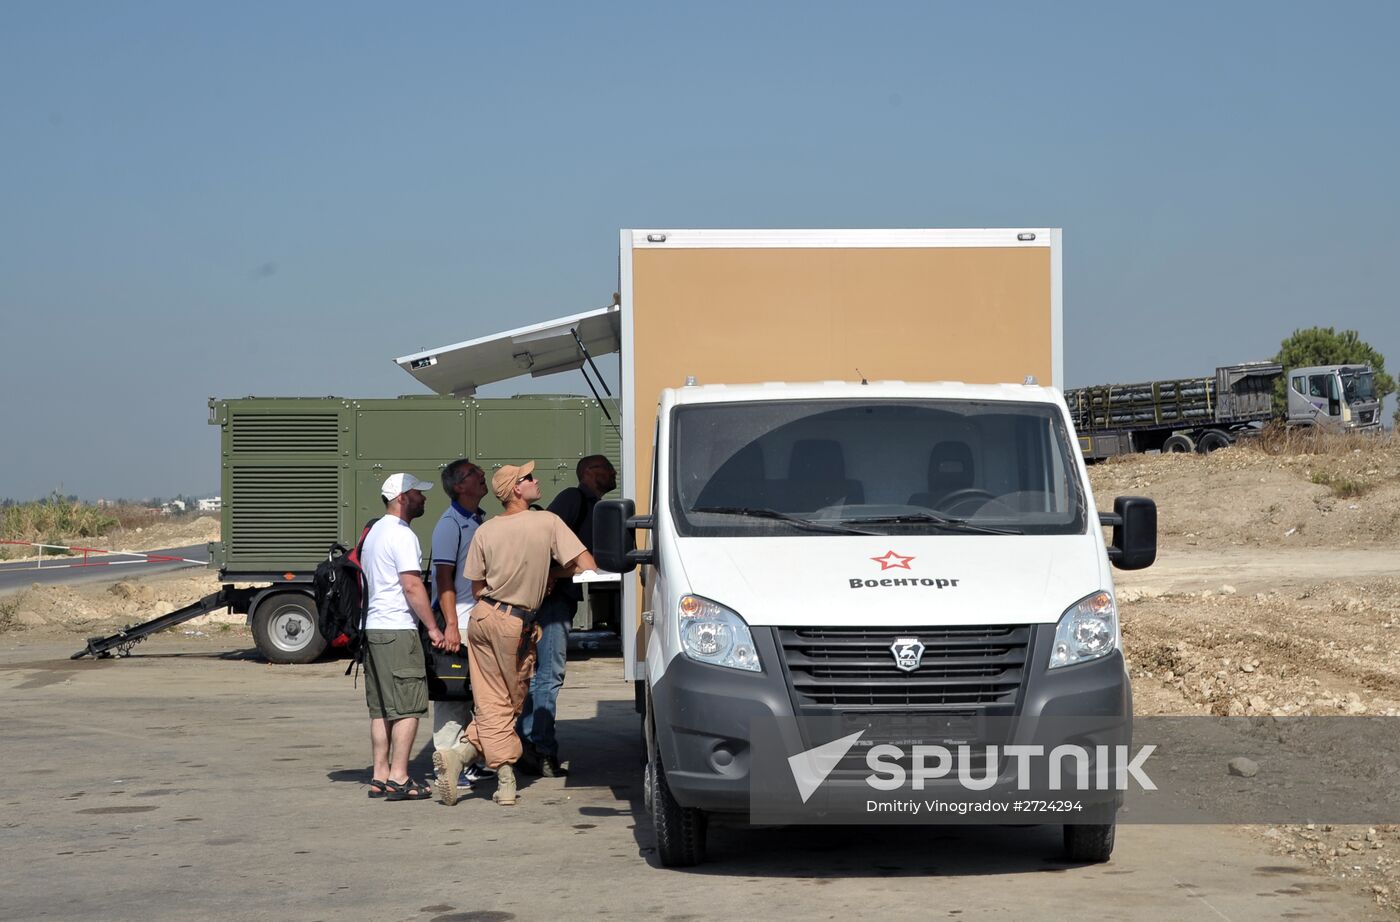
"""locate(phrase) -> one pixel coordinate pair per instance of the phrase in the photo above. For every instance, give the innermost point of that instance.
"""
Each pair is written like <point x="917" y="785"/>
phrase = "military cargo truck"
<point x="1209" y="413"/>
<point x="301" y="473"/>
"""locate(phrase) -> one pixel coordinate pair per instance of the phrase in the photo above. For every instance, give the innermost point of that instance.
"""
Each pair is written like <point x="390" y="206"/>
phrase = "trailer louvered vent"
<point x="291" y="513"/>
<point x="612" y="443"/>
<point x="301" y="433"/>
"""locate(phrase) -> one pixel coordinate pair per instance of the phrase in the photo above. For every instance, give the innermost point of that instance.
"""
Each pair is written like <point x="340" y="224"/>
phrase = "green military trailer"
<point x="299" y="474"/>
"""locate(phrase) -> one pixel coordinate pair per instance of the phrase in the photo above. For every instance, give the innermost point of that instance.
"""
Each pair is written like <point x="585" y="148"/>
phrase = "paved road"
<point x="96" y="568"/>
<point x="194" y="781"/>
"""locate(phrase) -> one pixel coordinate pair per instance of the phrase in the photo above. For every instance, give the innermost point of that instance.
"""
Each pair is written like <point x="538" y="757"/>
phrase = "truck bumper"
<point x="702" y="715"/>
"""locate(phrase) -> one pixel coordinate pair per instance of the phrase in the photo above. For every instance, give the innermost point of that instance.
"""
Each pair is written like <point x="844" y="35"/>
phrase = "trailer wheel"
<point x="1178" y="444"/>
<point x="285" y="628"/>
<point x="1213" y="440"/>
<point x="1090" y="843"/>
<point x="680" y="831"/>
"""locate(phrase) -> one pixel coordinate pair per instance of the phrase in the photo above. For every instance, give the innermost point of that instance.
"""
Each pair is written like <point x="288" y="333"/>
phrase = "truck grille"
<point x="853" y="668"/>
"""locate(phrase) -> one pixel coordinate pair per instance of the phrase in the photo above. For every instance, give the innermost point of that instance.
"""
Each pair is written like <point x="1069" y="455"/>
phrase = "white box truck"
<point x="861" y="495"/>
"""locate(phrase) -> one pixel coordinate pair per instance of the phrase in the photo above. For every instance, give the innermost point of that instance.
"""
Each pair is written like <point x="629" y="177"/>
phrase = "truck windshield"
<point x="833" y="467"/>
<point x="1359" y="386"/>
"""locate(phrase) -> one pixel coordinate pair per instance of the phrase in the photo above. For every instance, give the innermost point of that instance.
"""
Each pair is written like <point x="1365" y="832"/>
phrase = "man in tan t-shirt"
<point x="510" y="563"/>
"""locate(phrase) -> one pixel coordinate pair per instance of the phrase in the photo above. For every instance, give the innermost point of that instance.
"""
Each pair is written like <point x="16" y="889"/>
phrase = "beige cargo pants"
<point x="500" y="680"/>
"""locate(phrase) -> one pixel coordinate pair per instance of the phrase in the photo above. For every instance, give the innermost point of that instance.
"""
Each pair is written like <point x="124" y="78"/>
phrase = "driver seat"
<point x="949" y="470"/>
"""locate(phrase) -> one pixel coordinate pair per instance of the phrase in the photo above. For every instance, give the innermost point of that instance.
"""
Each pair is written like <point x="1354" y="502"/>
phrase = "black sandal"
<point x="377" y="788"/>
<point x="408" y="790"/>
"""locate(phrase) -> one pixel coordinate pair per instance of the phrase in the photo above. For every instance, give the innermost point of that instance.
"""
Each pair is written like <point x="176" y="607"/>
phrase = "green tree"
<point x="1326" y="346"/>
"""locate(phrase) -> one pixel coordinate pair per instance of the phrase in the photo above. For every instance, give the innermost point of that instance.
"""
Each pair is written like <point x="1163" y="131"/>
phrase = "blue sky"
<point x="277" y="199"/>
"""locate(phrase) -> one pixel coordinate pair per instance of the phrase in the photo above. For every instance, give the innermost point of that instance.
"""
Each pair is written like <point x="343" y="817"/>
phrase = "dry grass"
<point x="1342" y="486"/>
<point x="1348" y="464"/>
<point x="1307" y="440"/>
<point x="129" y="516"/>
<point x="58" y="521"/>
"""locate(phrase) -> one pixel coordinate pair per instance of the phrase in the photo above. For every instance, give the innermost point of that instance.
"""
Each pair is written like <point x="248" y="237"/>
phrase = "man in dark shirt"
<point x="596" y="477"/>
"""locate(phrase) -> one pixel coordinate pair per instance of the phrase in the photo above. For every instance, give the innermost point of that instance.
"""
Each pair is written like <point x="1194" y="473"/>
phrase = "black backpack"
<point x="342" y="597"/>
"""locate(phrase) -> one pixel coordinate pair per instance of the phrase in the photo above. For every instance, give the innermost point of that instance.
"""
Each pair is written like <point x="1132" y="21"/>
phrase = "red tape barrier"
<point x="142" y="556"/>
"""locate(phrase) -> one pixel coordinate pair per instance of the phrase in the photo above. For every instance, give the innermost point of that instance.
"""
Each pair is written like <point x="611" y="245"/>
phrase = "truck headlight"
<point x="711" y="633"/>
<point x="1087" y="631"/>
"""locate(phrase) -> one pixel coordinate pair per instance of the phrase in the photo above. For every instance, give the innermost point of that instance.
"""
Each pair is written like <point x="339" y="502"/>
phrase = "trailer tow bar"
<point x="122" y="641"/>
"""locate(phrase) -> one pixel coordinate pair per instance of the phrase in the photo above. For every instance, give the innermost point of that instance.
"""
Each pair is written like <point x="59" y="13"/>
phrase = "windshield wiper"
<point x="933" y="518"/>
<point x="757" y="512"/>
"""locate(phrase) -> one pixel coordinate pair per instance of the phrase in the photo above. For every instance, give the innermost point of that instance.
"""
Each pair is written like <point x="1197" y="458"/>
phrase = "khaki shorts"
<point x="396" y="683"/>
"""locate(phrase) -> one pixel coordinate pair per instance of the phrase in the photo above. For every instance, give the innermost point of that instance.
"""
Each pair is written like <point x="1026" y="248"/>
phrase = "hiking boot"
<point x="447" y="765"/>
<point x="551" y="767"/>
<point x="505" y="785"/>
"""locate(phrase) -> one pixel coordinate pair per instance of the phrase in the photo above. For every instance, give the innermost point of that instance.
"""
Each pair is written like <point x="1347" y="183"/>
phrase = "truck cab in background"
<point x="1334" y="397"/>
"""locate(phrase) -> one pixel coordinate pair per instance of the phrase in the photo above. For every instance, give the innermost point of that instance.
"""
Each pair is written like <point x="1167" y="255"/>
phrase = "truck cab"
<point x="837" y="550"/>
<point x="1335" y="397"/>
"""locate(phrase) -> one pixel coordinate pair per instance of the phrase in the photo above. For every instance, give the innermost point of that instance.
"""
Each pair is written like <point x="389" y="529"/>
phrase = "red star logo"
<point x="892" y="561"/>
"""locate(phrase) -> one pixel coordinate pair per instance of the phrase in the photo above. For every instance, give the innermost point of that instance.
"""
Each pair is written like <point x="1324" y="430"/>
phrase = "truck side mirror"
<point x="1134" y="521"/>
<point x="615" y="525"/>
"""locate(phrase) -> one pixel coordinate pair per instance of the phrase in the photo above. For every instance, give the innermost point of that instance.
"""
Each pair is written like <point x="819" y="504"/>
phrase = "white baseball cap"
<point x="402" y="483"/>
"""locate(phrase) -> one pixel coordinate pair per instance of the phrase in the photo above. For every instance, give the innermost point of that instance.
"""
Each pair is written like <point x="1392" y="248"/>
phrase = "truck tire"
<point x="1089" y="843"/>
<point x="680" y="831"/>
<point x="1178" y="444"/>
<point x="286" y="629"/>
<point x="1212" y="440"/>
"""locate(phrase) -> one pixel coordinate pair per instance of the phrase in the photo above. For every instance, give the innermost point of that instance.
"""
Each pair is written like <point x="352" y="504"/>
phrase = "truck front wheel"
<point x="680" y="831"/>
<point x="285" y="628"/>
<point x="1089" y="843"/>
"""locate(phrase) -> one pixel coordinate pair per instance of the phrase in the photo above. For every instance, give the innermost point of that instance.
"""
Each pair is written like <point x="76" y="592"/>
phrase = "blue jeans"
<point x="537" y="716"/>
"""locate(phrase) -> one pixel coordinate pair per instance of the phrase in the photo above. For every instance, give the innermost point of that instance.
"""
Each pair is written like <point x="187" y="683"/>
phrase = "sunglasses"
<point x="525" y="478"/>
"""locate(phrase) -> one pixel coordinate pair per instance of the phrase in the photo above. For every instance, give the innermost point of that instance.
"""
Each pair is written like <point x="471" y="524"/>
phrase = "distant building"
<point x="210" y="504"/>
<point x="173" y="507"/>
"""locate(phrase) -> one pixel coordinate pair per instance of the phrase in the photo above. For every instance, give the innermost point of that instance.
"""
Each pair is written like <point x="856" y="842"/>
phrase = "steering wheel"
<point x="966" y="495"/>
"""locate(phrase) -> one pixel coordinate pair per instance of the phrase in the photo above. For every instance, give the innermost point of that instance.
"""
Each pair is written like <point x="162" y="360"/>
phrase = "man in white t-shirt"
<point x="396" y="685"/>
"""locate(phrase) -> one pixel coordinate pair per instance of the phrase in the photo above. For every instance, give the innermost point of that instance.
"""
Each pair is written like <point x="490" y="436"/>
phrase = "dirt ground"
<point x="1276" y="592"/>
<point x="1272" y="595"/>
